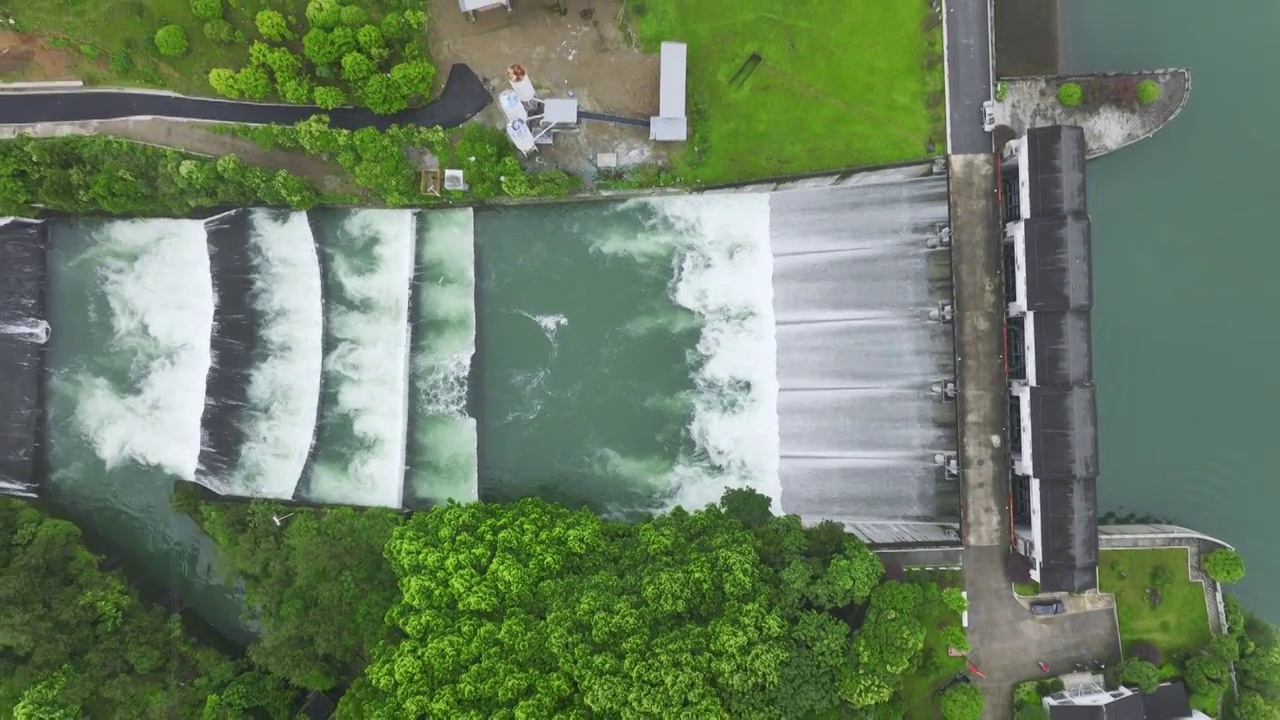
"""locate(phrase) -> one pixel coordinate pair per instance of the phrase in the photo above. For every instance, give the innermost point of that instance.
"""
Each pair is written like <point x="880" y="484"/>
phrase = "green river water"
<point x="1184" y="256"/>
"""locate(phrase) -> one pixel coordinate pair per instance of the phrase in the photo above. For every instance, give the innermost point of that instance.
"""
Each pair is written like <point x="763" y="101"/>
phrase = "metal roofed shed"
<point x="1057" y="348"/>
<point x="1063" y="428"/>
<point x="671" y="124"/>
<point x="474" y="6"/>
<point x="1055" y="171"/>
<point x="1058" y="263"/>
<point x="1069" y="535"/>
<point x="560" y="112"/>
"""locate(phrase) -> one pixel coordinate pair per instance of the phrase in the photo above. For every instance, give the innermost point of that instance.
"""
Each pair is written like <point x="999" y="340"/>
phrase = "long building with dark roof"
<point x="1052" y="408"/>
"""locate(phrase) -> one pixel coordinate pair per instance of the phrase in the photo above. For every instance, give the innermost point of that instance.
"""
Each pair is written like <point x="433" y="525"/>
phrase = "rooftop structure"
<point x="1052" y="408"/>
<point x="670" y="124"/>
<point x="1093" y="701"/>
<point x="470" y="7"/>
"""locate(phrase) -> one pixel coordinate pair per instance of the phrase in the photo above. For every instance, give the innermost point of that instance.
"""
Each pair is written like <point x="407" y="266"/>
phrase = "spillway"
<point x="853" y="283"/>
<point x="367" y="257"/>
<point x="23" y="332"/>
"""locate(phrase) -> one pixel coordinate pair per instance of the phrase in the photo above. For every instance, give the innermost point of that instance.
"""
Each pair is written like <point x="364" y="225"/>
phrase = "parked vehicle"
<point x="1048" y="607"/>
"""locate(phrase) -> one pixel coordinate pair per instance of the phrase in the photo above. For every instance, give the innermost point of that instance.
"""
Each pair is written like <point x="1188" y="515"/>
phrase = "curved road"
<point x="463" y="96"/>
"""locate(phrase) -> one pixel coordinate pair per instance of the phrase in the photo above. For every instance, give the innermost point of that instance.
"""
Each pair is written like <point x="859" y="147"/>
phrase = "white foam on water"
<point x="445" y="466"/>
<point x="368" y="364"/>
<point x="284" y="387"/>
<point x="724" y="274"/>
<point x="156" y="279"/>
<point x="550" y="325"/>
<point x="33" y="331"/>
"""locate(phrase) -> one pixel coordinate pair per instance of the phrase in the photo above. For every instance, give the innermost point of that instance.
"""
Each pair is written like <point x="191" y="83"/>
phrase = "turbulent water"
<point x="443" y="439"/>
<point x="368" y="261"/>
<point x="624" y="356"/>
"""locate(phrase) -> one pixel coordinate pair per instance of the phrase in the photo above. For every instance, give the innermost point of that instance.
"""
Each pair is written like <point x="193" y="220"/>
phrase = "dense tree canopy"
<point x="75" y="641"/>
<point x="535" y="609"/>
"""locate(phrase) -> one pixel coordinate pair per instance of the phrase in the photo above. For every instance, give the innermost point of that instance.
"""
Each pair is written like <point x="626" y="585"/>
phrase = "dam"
<point x="622" y="355"/>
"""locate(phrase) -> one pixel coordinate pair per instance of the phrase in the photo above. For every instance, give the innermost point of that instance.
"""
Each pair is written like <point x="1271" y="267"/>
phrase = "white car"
<point x="988" y="116"/>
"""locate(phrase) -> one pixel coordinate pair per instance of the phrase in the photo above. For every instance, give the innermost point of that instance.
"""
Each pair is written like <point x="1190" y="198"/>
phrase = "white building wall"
<point x="1017" y="233"/>
<point x="1037" y="530"/>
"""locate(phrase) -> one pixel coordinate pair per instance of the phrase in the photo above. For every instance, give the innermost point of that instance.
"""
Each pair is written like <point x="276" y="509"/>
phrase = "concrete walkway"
<point x="463" y="96"/>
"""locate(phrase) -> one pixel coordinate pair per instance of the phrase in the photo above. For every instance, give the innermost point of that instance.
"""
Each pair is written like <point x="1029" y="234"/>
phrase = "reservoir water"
<point x="627" y="356"/>
<point x="1185" y="261"/>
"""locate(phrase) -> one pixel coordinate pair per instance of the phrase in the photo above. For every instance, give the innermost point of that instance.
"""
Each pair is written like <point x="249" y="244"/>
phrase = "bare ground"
<point x="583" y="51"/>
<point x="24" y="56"/>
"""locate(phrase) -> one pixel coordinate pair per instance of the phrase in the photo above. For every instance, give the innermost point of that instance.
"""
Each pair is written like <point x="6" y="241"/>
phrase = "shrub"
<point x="1002" y="91"/>
<point x="353" y="16"/>
<point x="1161" y="576"/>
<point x="962" y="702"/>
<point x="1070" y="94"/>
<point x="328" y="97"/>
<point x="1139" y="672"/>
<point x="382" y="96"/>
<point x="955" y="600"/>
<point x="207" y="9"/>
<point x="393" y="26"/>
<point x="253" y="82"/>
<point x="413" y="78"/>
<point x="223" y="82"/>
<point x="319" y="47"/>
<point x="357" y="67"/>
<point x="90" y="51"/>
<point x="1224" y="566"/>
<point x="1148" y="92"/>
<point x="272" y="26"/>
<point x="121" y="61"/>
<point x="954" y="636"/>
<point x="1144" y="650"/>
<point x="324" y="14"/>
<point x="171" y="40"/>
<point x="219" y="31"/>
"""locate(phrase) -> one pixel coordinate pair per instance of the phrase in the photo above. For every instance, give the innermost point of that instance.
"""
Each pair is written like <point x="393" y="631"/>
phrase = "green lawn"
<point x="1180" y="624"/>
<point x="841" y="83"/>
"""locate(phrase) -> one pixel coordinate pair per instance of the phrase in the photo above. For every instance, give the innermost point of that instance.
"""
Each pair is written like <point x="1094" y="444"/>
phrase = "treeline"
<point x="534" y="610"/>
<point x="96" y="175"/>
<point x="77" y="642"/>
<point x="378" y="162"/>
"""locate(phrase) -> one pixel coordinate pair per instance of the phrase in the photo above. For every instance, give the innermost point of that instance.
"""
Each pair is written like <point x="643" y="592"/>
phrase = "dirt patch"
<point x="24" y="56"/>
<point x="573" y="48"/>
<point x="582" y="50"/>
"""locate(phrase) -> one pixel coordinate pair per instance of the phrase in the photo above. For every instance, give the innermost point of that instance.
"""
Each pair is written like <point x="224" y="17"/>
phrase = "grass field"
<point x="1180" y="624"/>
<point x="110" y="42"/>
<point x="838" y="84"/>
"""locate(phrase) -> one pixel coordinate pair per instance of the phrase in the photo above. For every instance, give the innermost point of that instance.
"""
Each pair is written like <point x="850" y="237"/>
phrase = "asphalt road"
<point x="968" y="64"/>
<point x="463" y="96"/>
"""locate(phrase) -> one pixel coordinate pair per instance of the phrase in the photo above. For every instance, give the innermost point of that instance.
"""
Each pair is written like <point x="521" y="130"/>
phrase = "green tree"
<point x="1148" y="92"/>
<point x="324" y="14"/>
<point x="1224" y="566"/>
<point x="848" y="579"/>
<point x="1140" y="673"/>
<point x="1225" y="647"/>
<point x="283" y="63"/>
<point x="393" y="26"/>
<point x="223" y="82"/>
<point x="319" y="47"/>
<point x="77" y="638"/>
<point x="414" y="77"/>
<point x="253" y="82"/>
<point x="344" y="40"/>
<point x="415" y="20"/>
<point x="382" y="96"/>
<point x="356" y="67"/>
<point x="294" y="90"/>
<point x="1255" y="707"/>
<point x="557" y="612"/>
<point x="353" y="16"/>
<point x="318" y="584"/>
<point x="372" y="42"/>
<point x="272" y="26"/>
<point x="962" y="701"/>
<point x="328" y="97"/>
<point x="954" y="636"/>
<point x="1070" y="94"/>
<point x="171" y="40"/>
<point x="295" y="191"/>
<point x="219" y="31"/>
<point x="207" y="9"/>
<point x="955" y="600"/>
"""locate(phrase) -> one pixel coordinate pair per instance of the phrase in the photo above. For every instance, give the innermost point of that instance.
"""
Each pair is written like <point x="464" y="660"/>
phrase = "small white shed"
<point x="474" y="6"/>
<point x="670" y="124"/>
